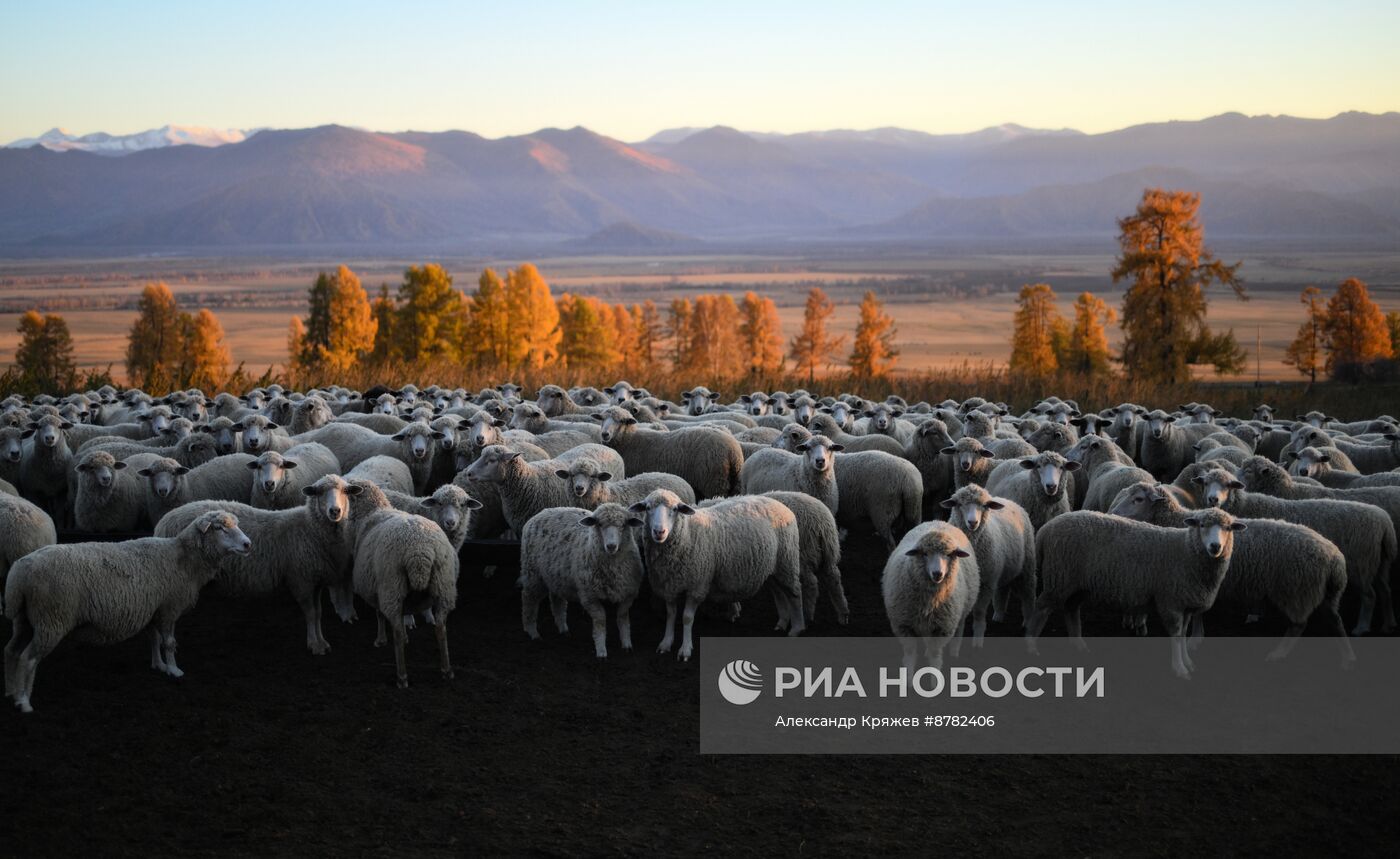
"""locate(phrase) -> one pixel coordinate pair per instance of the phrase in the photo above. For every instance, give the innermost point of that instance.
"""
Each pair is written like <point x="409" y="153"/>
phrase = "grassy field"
<point x="950" y="309"/>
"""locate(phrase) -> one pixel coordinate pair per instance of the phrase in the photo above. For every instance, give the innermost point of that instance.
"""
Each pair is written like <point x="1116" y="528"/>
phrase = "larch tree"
<point x="296" y="342"/>
<point x="385" y="314"/>
<point x="533" y="319"/>
<point x="586" y="333"/>
<point x="873" y="353"/>
<point x="206" y="355"/>
<point x="813" y="345"/>
<point x="341" y="325"/>
<point x="490" y="317"/>
<point x="650" y="332"/>
<point x="1356" y="332"/>
<point x="625" y="335"/>
<point x="761" y="335"/>
<point x="1392" y="322"/>
<point x="679" y="318"/>
<point x="1305" y="352"/>
<point x="716" y="336"/>
<point x="1087" y="349"/>
<point x="1164" y="260"/>
<point x="1033" y="334"/>
<point x="45" y="353"/>
<point x="155" y="340"/>
<point x="430" y="314"/>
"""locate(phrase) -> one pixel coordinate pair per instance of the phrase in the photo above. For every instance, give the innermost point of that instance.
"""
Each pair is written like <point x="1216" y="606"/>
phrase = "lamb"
<point x="109" y="592"/>
<point x="1004" y="544"/>
<point x="170" y="484"/>
<point x="1291" y="566"/>
<point x="352" y="445"/>
<point x="387" y="472"/>
<point x="1363" y="532"/>
<point x="1080" y="558"/>
<point x="698" y="400"/>
<point x="724" y="553"/>
<point x="227" y="437"/>
<point x="109" y="497"/>
<point x="304" y="549"/>
<point x="878" y="491"/>
<point x="278" y="478"/>
<point x="526" y="488"/>
<point x="1037" y="483"/>
<point x="1166" y="446"/>
<point x="592" y="485"/>
<point x="24" y="528"/>
<point x="756" y="404"/>
<point x="592" y="559"/>
<point x="813" y="471"/>
<point x="925" y="450"/>
<point x="930" y="584"/>
<point x="449" y="506"/>
<point x="555" y="401"/>
<point x="885" y="419"/>
<point x="404" y="564"/>
<point x="710" y="460"/>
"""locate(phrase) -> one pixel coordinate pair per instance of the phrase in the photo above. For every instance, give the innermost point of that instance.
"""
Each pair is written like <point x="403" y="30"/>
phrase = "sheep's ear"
<point x="1326" y="457"/>
<point x="913" y="553"/>
<point x="118" y="465"/>
<point x="1139" y="410"/>
<point x="948" y="504"/>
<point x="439" y="434"/>
<point x="513" y="456"/>
<point x="472" y="503"/>
<point x="588" y="521"/>
<point x="145" y="472"/>
<point x="238" y="426"/>
<point x="1191" y="521"/>
<point x="253" y="466"/>
<point x="1198" y="480"/>
<point x="714" y="395"/>
<point x="65" y="425"/>
<point x="1072" y="465"/>
<point x="497" y="422"/>
<point x="33" y="425"/>
<point x="630" y="422"/>
<point x="598" y="416"/>
<point x="1028" y="463"/>
<point x="311" y="490"/>
<point x="960" y="553"/>
<point x="868" y="413"/>
<point x="273" y="426"/>
<point x="806" y="445"/>
<point x="182" y="470"/>
<point x="826" y="410"/>
<point x="993" y="504"/>
<point x="897" y="412"/>
<point x="27" y="433"/>
<point x="838" y="447"/>
<point x="685" y="508"/>
<point x="634" y="522"/>
<point x="639" y="507"/>
<point x="986" y="454"/>
<point x="1300" y="417"/>
<point x="1292" y="454"/>
<point x="605" y="476"/>
<point x="1079" y="422"/>
<point x="84" y="467"/>
<point x="1393" y="436"/>
<point x="948" y="451"/>
<point x="399" y="436"/>
<point x="562" y="473"/>
<point x="686" y="396"/>
<point x="1238" y="526"/>
<point x="287" y="463"/>
<point x="745" y="398"/>
<point x="1235" y="484"/>
<point x="1196" y="446"/>
<point x="430" y="501"/>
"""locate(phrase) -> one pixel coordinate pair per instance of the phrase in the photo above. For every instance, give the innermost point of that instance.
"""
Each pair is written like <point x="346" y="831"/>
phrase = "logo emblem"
<point x="740" y="682"/>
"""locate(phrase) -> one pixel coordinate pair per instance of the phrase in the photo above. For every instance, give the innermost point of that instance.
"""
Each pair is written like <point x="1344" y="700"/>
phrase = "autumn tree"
<point x="385" y="314"/>
<point x="624" y="335"/>
<point x="430" y="314"/>
<point x="489" y="342"/>
<point x="650" y="332"/>
<point x="206" y="357"/>
<point x="45" y="353"/>
<point x="155" y="340"/>
<point x="715" y="343"/>
<point x="1167" y="267"/>
<point x="760" y="335"/>
<point x="1305" y="352"/>
<point x="813" y="346"/>
<point x="1392" y="323"/>
<point x="1356" y="331"/>
<point x="873" y="353"/>
<point x="678" y="328"/>
<point x="1086" y="351"/>
<point x="341" y="325"/>
<point x="296" y="342"/>
<point x="586" y="333"/>
<point x="1034" y="331"/>
<point x="532" y="320"/>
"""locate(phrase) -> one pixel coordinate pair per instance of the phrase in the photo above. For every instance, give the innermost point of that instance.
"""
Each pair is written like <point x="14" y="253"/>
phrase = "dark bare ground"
<point x="539" y="749"/>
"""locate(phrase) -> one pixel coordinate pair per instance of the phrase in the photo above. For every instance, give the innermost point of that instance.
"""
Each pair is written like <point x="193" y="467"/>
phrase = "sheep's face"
<point x="270" y="471"/>
<point x="1137" y="501"/>
<point x="552" y="400"/>
<point x="938" y="557"/>
<point x="935" y="432"/>
<point x="47" y="431"/>
<point x="587" y="396"/>
<point x="756" y="404"/>
<point x="450" y="506"/>
<point x="842" y="414"/>
<point x="493" y="465"/>
<point x="225" y="435"/>
<point x="385" y="404"/>
<point x="417" y="439"/>
<point x="1310" y="462"/>
<point x="164" y="476"/>
<point x="100" y="468"/>
<point x="611" y="524"/>
<point x="1087" y="448"/>
<point x="662" y="512"/>
<point x="485" y="430"/>
<point x="1052" y="436"/>
<point x="804" y="409"/>
<point x="73" y="413"/>
<point x="968" y="508"/>
<point x="820" y="453"/>
<point x="1126" y="415"/>
<point x="779" y="403"/>
<point x="180" y="428"/>
<point x="529" y="417"/>
<point x="313" y="413"/>
<point x="11" y="444"/>
<point x="156" y="420"/>
<point x="509" y="390"/>
<point x="616" y="423"/>
<point x="1264" y="413"/>
<point x="194" y="410"/>
<point x="698" y="400"/>
<point x="1049" y="470"/>
<point x="255" y="400"/>
<point x="1314" y="419"/>
<point x="585" y="479"/>
<point x="221" y="529"/>
<point x="1157" y="423"/>
<point x="1260" y="475"/>
<point x="1216" y="486"/>
<point x="1215" y="530"/>
<point x="1089" y="425"/>
<point x="884" y="416"/>
<point x="330" y="497"/>
<point x="448" y="426"/>
<point x="791" y="436"/>
<point x="619" y="393"/>
<point x="966" y="453"/>
<point x="979" y="425"/>
<point x="257" y="432"/>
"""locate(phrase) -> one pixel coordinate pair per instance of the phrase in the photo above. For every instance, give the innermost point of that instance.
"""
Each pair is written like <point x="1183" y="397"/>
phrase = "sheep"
<point x="698" y="400"/>
<point x="812" y="471"/>
<point x="882" y="492"/>
<point x="109" y="592"/>
<point x="1093" y="453"/>
<point x="825" y="425"/>
<point x="384" y="424"/>
<point x="23" y="529"/>
<point x="278" y="478"/>
<point x="192" y="451"/>
<point x="260" y="433"/>
<point x="11" y="452"/>
<point x="1004" y="543"/>
<point x="1210" y="450"/>
<point x="1107" y="482"/>
<point x="724" y="553"/>
<point x="403" y="564"/>
<point x="1363" y="532"/>
<point x="710" y="460"/>
<point x="1291" y="566"/>
<point x="352" y="445"/>
<point x="555" y="401"/>
<point x="1326" y="465"/>
<point x="972" y="463"/>
<point x="179" y="428"/>
<point x="303" y="549"/>
<point x="1037" y="483"/>
<point x="170" y="484"/>
<point x="844" y="414"/>
<point x="227" y="437"/>
<point x="1372" y="458"/>
<point x="886" y="419"/>
<point x="820" y="552"/>
<point x="1093" y="424"/>
<point x="109" y="497"/>
<point x="449" y="506"/>
<point x="44" y="464"/>
<point x="1080" y="558"/>
<point x="489" y="521"/>
<point x="592" y="559"/>
<point x="925" y="450"/>
<point x="526" y="488"/>
<point x="387" y="472"/>
<point x="1166" y="446"/>
<point x="930" y="585"/>
<point x="530" y="418"/>
<point x="592" y="485"/>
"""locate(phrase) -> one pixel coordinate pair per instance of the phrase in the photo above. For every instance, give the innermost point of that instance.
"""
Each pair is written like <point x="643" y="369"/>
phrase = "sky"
<point x="629" y="69"/>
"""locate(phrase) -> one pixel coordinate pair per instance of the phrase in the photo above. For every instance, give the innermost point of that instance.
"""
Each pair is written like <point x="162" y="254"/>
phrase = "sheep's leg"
<point x="1175" y="625"/>
<point x="887" y="531"/>
<point x="40" y="645"/>
<point x="1387" y="602"/>
<point x="1074" y="626"/>
<point x="669" y="637"/>
<point x="780" y="605"/>
<point x="343" y="601"/>
<point x="1368" y="608"/>
<point x="429" y="617"/>
<point x="19" y="639"/>
<point x="1285" y="645"/>
<point x="910" y="644"/>
<point x="810" y="592"/>
<point x="444" y="660"/>
<point x="1035" y="624"/>
<point x="979" y="616"/>
<point x="1000" y="600"/>
<point x="687" y="624"/>
<point x="157" y="660"/>
<point x="599" y="616"/>
<point x="624" y="624"/>
<point x="1027" y="586"/>
<point x="409" y="621"/>
<point x="169" y="646"/>
<point x="1198" y="632"/>
<point x="933" y="651"/>
<point x="381" y="638"/>
<point x="836" y="592"/>
<point x="400" y="642"/>
<point x="559" y="607"/>
<point x="530" y="598"/>
<point x="310" y="609"/>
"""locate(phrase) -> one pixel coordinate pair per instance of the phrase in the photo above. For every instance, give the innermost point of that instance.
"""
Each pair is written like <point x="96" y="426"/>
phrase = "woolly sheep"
<point x="724" y="553"/>
<point x="23" y="529"/>
<point x="386" y="472"/>
<point x="1108" y="481"/>
<point x="812" y="471"/>
<point x="449" y="506"/>
<point x="1038" y="483"/>
<point x="1372" y="458"/>
<point x="304" y="549"/>
<point x="109" y="592"/>
<point x="825" y="425"/>
<point x="352" y="445"/>
<point x="170" y="484"/>
<point x="191" y="451"/>
<point x="930" y="585"/>
<point x="526" y="488"/>
<point x="820" y="553"/>
<point x="925" y="450"/>
<point x="710" y="460"/>
<point x="1328" y="467"/>
<point x="44" y="464"/>
<point x="309" y="414"/>
<point x="885" y="419"/>
<point x="1093" y="453"/>
<point x="489" y="521"/>
<point x="972" y="463"/>
<point x="1004" y="544"/>
<point x="530" y="418"/>
<point x="878" y="491"/>
<point x="592" y="485"/>
<point x="109" y="496"/>
<point x="260" y="433"/>
<point x="1080" y="559"/>
<point x="11" y="452"/>
<point x="278" y="478"/>
<point x="592" y="559"/>
<point x="555" y="401"/>
<point x="1166" y="445"/>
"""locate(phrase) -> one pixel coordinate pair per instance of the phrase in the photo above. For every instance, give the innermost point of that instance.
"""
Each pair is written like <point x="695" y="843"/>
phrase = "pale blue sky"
<point x="628" y="69"/>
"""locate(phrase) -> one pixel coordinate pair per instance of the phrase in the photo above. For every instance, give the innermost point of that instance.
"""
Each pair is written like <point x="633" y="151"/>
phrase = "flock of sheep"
<point x="332" y="494"/>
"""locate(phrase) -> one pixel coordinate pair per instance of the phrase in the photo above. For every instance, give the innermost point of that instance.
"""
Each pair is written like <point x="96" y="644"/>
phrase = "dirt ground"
<point x="539" y="749"/>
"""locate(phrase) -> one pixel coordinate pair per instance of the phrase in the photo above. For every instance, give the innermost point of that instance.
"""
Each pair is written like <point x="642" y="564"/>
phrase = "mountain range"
<point x="1265" y="178"/>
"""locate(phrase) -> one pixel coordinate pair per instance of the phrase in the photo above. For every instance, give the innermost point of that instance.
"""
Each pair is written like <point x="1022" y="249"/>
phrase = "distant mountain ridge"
<point x="102" y="143"/>
<point x="1269" y="178"/>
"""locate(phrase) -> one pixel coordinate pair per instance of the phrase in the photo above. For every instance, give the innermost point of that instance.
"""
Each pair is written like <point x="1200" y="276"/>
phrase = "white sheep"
<point x="725" y="553"/>
<point x="879" y="492"/>
<point x="450" y="506"/>
<point x="592" y="485"/>
<point x="109" y="592"/>
<point x="930" y="584"/>
<point x="526" y="488"/>
<point x="387" y="472"/>
<point x="259" y="433"/>
<point x="812" y="470"/>
<point x="709" y="459"/>
<point x="170" y="484"/>
<point x="352" y="445"/>
<point x="278" y="478"/>
<point x="1037" y="483"/>
<point x="110" y="497"/>
<point x="45" y="463"/>
<point x="1004" y="542"/>
<point x="820" y="553"/>
<point x="23" y="529"/>
<point x="593" y="559"/>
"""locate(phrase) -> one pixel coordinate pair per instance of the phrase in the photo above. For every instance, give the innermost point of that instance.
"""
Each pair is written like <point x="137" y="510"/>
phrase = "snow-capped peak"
<point x="102" y="143"/>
